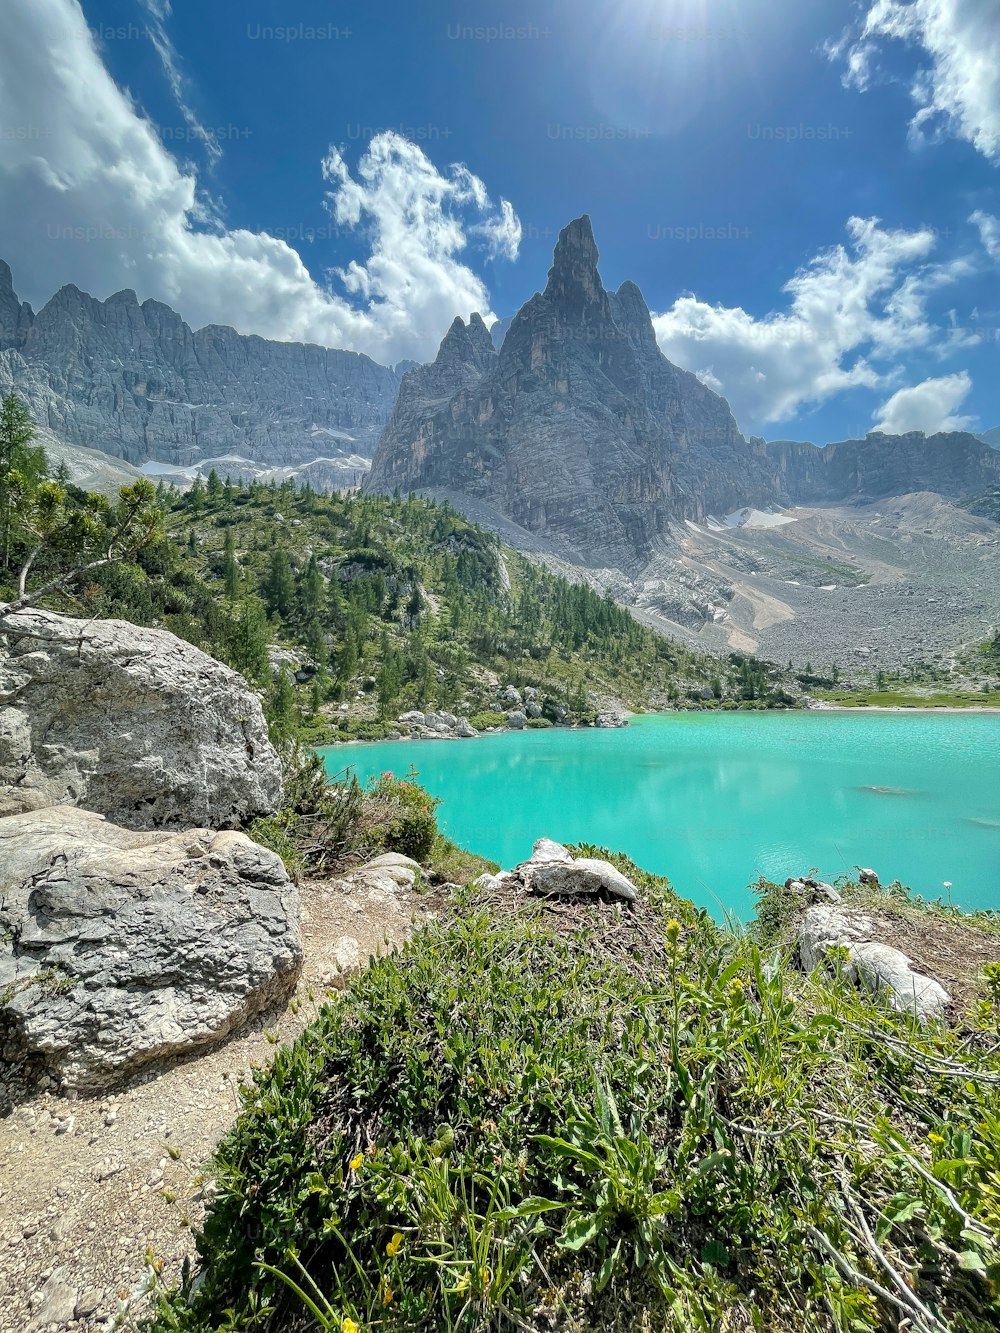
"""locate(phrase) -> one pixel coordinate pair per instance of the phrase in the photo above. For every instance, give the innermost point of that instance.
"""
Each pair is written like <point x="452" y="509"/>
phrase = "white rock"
<point x="344" y="962"/>
<point x="517" y="721"/>
<point x="582" y="875"/>
<point x="547" y="850"/>
<point x="392" y="859"/>
<point x="57" y="1304"/>
<point x="879" y="967"/>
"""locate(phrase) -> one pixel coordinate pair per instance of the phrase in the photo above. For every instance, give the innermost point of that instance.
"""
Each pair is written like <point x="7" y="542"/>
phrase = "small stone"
<point x="88" y="1303"/>
<point x="58" y="1302"/>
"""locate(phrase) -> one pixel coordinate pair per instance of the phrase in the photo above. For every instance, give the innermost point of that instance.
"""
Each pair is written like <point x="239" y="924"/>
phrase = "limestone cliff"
<point x="135" y="381"/>
<point x="951" y="463"/>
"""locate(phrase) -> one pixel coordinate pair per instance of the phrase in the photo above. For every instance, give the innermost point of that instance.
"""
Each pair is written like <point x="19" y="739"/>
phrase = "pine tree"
<point x="21" y="466"/>
<point x="230" y="569"/>
<point x="214" y="486"/>
<point x="279" y="586"/>
<point x="248" y="641"/>
<point x="312" y="588"/>
<point x="282" y="711"/>
<point x="315" y="641"/>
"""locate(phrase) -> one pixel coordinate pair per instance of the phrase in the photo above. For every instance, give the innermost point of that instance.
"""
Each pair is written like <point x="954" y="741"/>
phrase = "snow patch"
<point x="757" y="518"/>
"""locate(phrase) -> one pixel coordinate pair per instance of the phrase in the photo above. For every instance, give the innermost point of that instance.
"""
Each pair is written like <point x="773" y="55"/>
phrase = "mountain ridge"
<point x="134" y="380"/>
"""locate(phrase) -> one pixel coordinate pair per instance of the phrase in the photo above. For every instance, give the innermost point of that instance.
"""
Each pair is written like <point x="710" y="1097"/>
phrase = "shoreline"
<point x="902" y="708"/>
<point x="685" y="712"/>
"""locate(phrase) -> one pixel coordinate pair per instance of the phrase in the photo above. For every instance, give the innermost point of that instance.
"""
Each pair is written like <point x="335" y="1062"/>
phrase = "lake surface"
<point x="713" y="800"/>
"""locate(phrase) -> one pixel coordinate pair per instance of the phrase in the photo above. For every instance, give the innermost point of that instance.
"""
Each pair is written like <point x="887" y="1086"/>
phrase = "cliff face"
<point x="578" y="427"/>
<point x="953" y="463"/>
<point x="135" y="381"/>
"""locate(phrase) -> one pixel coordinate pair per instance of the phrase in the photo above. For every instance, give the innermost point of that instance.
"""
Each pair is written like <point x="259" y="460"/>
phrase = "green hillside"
<point x="386" y="604"/>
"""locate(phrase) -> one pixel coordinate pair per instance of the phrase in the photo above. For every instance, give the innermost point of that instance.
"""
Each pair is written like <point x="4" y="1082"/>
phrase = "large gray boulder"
<point x="132" y="723"/>
<point x="118" y="948"/>
<point x="878" y="967"/>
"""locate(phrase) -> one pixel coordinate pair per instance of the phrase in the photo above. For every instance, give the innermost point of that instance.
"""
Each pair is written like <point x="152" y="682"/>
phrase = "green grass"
<point x="590" y="1117"/>
<point x="915" y="698"/>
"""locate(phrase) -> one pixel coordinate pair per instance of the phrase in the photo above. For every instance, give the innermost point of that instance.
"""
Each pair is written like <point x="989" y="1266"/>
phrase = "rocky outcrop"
<point x="877" y="966"/>
<point x="118" y="948"/>
<point x="131" y="723"/>
<point x="552" y="872"/>
<point x="951" y="463"/>
<point x="578" y="428"/>
<point x="135" y="381"/>
<point x="433" y="725"/>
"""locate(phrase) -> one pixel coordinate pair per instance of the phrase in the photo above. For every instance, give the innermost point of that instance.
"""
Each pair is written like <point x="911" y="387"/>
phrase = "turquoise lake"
<point x="715" y="800"/>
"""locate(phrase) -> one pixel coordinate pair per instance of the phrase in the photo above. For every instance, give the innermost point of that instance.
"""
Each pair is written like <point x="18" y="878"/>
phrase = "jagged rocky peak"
<point x="574" y="282"/>
<point x="579" y="429"/>
<point x="467" y="342"/>
<point x="629" y="308"/>
<point x="15" y="316"/>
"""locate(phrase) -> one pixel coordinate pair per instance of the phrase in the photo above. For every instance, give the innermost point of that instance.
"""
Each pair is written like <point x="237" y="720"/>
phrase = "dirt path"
<point x="86" y="1187"/>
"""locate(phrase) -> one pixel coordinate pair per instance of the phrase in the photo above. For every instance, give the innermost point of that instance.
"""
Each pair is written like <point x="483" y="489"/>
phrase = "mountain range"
<point x="578" y="428"/>
<point x="136" y="382"/>
<point x="565" y="429"/>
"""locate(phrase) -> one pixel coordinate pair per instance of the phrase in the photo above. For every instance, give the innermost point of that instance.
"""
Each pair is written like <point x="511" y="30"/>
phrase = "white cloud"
<point x="989" y="232"/>
<point x="850" y="306"/>
<point x="90" y="194"/>
<point x="929" y="406"/>
<point x="159" y="11"/>
<point x="957" y="89"/>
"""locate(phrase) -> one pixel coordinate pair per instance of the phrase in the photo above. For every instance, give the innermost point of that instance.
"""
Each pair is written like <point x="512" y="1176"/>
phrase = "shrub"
<point x="483" y="720"/>
<point x="320" y="822"/>
<point x="539" y="723"/>
<point x="580" y="1117"/>
<point x="411" y="827"/>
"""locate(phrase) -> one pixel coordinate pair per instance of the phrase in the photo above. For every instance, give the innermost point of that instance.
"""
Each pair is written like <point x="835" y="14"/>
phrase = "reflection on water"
<point x="716" y="800"/>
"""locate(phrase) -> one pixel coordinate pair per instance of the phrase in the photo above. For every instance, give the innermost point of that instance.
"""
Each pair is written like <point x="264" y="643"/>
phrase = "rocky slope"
<point x="578" y="428"/>
<point x="136" y="382"/>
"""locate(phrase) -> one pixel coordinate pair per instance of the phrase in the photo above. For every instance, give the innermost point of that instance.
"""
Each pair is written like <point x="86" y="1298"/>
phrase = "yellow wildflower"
<point x="392" y="1249"/>
<point x="357" y="1162"/>
<point x="387" y="1296"/>
<point x="737" y="985"/>
<point x="673" y="931"/>
<point x="349" y="1326"/>
<point x="935" y="1138"/>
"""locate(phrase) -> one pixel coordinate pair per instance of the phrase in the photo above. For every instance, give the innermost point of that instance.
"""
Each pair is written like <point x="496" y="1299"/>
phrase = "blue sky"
<point x="806" y="193"/>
